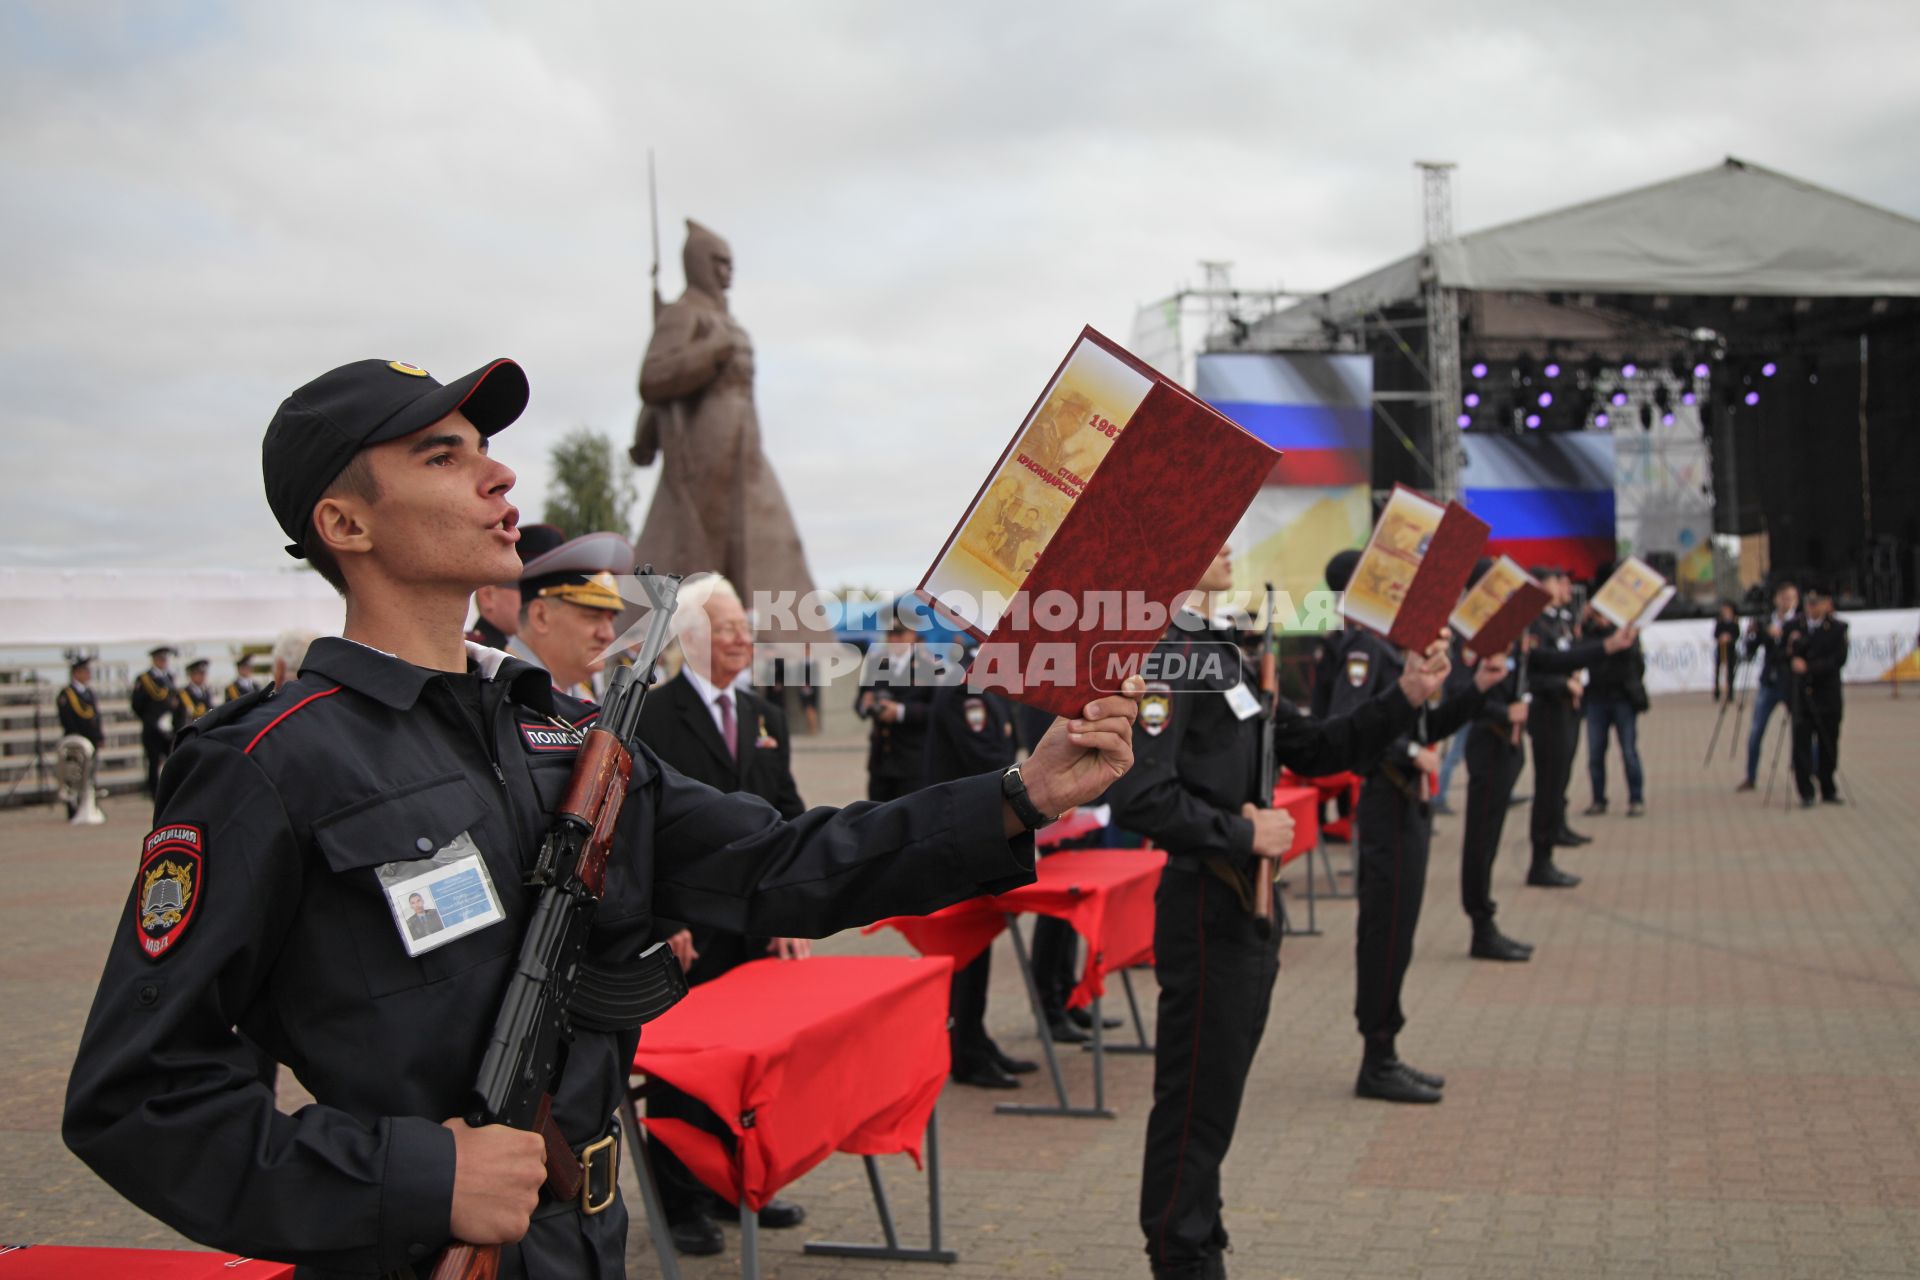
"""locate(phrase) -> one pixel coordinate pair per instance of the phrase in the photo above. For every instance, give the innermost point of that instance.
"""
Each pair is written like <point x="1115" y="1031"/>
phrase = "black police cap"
<point x="319" y="428"/>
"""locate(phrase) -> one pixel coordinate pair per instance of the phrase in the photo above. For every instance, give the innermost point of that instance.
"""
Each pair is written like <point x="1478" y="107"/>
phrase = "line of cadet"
<point x="161" y="704"/>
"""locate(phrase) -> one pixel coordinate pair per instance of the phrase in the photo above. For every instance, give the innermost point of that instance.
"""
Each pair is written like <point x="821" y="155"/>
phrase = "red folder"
<point x="1163" y="501"/>
<point x="1505" y="626"/>
<point x="1444" y="570"/>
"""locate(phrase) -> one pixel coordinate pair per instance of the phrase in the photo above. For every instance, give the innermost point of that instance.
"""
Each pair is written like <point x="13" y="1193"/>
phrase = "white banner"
<point x="1680" y="653"/>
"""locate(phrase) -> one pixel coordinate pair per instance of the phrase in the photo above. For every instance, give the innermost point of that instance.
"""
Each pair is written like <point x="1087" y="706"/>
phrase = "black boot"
<point x="1544" y="875"/>
<point x="1495" y="945"/>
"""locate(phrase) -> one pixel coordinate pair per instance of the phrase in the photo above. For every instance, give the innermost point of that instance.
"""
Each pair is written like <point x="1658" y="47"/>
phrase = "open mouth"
<point x="508" y="525"/>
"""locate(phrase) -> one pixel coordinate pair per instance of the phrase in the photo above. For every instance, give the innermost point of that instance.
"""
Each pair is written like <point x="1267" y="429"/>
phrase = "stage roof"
<point x="1736" y="229"/>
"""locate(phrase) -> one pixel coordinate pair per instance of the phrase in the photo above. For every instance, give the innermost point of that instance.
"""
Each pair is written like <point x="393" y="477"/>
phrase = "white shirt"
<point x="710" y="696"/>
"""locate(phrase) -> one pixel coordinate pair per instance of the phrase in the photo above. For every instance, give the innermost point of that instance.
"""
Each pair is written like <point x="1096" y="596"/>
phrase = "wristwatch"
<point x="1013" y="789"/>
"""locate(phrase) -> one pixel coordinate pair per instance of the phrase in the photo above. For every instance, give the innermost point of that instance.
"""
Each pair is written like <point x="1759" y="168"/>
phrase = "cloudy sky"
<point x="204" y="205"/>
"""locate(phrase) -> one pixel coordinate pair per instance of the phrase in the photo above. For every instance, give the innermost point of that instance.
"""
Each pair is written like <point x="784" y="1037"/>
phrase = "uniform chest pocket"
<point x="411" y="823"/>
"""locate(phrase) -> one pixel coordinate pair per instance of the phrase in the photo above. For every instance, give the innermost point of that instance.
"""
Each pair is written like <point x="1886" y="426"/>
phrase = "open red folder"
<point x="1101" y="515"/>
<point x="1492" y="615"/>
<point x="1410" y="574"/>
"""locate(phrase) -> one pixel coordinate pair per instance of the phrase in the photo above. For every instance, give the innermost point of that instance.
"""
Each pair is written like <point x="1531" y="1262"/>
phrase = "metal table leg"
<point x="649" y="1194"/>
<point x="892" y="1248"/>
<point x="1062" y="1107"/>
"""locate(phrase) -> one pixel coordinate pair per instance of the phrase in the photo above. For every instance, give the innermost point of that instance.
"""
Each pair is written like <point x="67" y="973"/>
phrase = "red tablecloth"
<point x="1105" y="894"/>
<point x="802" y="1058"/>
<point x="59" y="1262"/>
<point x="1304" y="804"/>
<point x="1329" y="785"/>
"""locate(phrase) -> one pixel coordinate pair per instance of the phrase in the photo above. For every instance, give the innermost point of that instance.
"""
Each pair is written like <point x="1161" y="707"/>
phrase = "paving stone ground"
<point x="1711" y="1068"/>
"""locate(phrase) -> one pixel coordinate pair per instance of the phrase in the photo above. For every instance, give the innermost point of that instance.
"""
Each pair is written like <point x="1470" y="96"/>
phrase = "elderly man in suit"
<point x="708" y="725"/>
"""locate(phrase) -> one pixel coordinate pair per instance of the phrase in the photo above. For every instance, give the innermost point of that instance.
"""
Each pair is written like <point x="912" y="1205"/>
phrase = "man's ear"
<point x="342" y="525"/>
<point x="536" y="618"/>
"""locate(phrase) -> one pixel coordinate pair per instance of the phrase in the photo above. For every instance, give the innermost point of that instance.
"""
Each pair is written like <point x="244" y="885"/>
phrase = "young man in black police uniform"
<point x="1819" y="653"/>
<point x="243" y="682"/>
<point x="1771" y="637"/>
<point x="1393" y="831"/>
<point x="1194" y="791"/>
<point x="971" y="732"/>
<point x="897" y="703"/>
<point x="1552" y="711"/>
<point x="196" y="695"/>
<point x="713" y="731"/>
<point x="260" y="911"/>
<point x="156" y="702"/>
<point x="1495" y="757"/>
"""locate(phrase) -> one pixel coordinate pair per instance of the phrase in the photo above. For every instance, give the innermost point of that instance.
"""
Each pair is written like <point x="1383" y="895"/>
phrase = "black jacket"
<point x="676" y="724"/>
<point x="1774" y="670"/>
<point x="1824" y="645"/>
<point x="1196" y="761"/>
<point x="80" y="713"/>
<point x="1619" y="675"/>
<point x="154" y="695"/>
<point x="969" y="733"/>
<point x="1367" y="668"/>
<point x="897" y="749"/>
<point x="257" y="918"/>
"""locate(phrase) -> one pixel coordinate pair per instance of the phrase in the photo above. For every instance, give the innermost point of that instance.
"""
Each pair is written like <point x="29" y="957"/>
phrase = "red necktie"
<point x="726" y="725"/>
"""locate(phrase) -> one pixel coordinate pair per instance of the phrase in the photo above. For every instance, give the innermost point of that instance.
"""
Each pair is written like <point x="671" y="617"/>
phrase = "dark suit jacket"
<point x="680" y="729"/>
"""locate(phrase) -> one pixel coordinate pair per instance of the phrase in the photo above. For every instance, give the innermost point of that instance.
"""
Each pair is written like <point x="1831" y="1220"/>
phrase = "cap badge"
<point x="411" y="370"/>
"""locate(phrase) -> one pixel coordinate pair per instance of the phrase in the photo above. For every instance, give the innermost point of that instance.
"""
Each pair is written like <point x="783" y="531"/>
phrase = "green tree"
<point x="591" y="490"/>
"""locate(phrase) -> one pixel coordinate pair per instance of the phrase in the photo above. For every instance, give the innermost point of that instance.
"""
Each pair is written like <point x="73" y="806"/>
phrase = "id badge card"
<point x="438" y="899"/>
<point x="1240" y="698"/>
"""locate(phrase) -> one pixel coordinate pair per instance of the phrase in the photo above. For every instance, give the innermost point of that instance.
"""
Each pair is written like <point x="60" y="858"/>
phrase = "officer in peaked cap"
<point x="196" y="696"/>
<point x="156" y="700"/>
<point x="569" y="603"/>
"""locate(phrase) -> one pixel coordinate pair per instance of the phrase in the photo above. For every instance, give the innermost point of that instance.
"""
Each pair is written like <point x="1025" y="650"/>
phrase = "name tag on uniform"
<point x="1244" y="704"/>
<point x="437" y="899"/>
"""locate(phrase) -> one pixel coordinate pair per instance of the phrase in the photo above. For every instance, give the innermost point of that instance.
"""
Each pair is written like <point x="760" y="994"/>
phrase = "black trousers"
<point x="1725" y="663"/>
<point x="155" y="744"/>
<point x="1551" y="725"/>
<point x="1816" y="722"/>
<point x="1056" y="950"/>
<point x="1216" y="981"/>
<point x="967" y="1035"/>
<point x="1393" y="835"/>
<point x="1493" y="765"/>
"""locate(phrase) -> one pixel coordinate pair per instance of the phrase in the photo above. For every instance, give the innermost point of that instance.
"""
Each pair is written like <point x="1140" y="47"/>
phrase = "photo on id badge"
<point x="438" y="899"/>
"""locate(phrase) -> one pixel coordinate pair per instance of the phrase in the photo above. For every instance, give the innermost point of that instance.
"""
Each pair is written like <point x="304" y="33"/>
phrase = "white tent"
<point x="1735" y="229"/>
<point x="50" y="608"/>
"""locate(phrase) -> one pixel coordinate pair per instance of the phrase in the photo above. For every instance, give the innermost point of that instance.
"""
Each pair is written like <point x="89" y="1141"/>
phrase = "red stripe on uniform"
<point x="275" y="722"/>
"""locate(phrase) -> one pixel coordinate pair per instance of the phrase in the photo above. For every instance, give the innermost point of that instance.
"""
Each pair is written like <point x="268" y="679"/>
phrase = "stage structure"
<point x="1749" y="341"/>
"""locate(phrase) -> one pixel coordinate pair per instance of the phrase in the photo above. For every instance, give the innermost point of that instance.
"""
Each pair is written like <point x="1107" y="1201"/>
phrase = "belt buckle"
<point x="609" y="1146"/>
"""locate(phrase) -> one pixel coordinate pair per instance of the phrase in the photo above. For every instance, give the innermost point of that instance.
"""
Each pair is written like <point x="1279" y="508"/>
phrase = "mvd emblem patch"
<point x="167" y="891"/>
<point x="541" y="737"/>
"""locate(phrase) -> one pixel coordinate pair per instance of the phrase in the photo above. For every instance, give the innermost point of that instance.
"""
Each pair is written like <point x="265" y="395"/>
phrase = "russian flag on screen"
<point x="1549" y="497"/>
<point x="1317" y="409"/>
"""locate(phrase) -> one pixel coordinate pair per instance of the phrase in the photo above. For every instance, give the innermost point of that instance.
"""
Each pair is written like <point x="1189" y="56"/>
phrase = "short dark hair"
<point x="356" y="480"/>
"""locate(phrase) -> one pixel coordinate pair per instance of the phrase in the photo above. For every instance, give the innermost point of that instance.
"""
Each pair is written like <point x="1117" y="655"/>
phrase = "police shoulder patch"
<point x="1359" y="664"/>
<point x="1156" y="708"/>
<point x="168" y="888"/>
<point x="976" y="712"/>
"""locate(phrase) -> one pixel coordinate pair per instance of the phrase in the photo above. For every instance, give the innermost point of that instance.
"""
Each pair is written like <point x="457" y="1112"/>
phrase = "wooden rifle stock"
<point x="1266" y="869"/>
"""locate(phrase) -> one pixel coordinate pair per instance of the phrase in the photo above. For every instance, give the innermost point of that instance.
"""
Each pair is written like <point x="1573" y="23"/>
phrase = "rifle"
<point x="1265" y="868"/>
<point x="553" y="987"/>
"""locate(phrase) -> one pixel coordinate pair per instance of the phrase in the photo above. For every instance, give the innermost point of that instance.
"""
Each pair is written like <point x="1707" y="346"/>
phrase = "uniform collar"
<point x="397" y="683"/>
